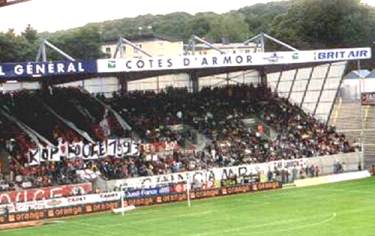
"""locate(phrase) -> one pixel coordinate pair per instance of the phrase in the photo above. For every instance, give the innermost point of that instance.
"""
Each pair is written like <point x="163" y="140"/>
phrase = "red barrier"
<point x="45" y="193"/>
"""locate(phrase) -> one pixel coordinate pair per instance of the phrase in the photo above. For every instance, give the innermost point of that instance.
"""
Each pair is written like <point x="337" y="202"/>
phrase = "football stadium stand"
<point x="220" y="114"/>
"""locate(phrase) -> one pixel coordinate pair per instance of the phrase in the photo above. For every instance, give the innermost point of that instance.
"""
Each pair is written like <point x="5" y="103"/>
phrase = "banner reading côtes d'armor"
<point x="87" y="151"/>
<point x="42" y="69"/>
<point x="211" y="175"/>
<point x="229" y="60"/>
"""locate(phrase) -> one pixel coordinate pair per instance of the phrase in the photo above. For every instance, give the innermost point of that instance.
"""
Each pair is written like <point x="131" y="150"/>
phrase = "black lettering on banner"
<point x="44" y="155"/>
<point x="279" y="164"/>
<point x="186" y="61"/>
<point x="249" y="59"/>
<point x="112" y="145"/>
<point x="163" y="179"/>
<point x="227" y="60"/>
<point x="214" y="60"/>
<point x="128" y="65"/>
<point x="239" y="59"/>
<point x="169" y="63"/>
<point x="77" y="149"/>
<point x="180" y="177"/>
<point x="33" y="156"/>
<point x="227" y="173"/>
<point x="55" y="152"/>
<point x="95" y="149"/>
<point x="160" y="63"/>
<point x="101" y="149"/>
<point x="71" y="150"/>
<point x="87" y="150"/>
<point x="204" y="61"/>
<point x="151" y="63"/>
<point x="146" y="181"/>
<point x="198" y="176"/>
<point x="140" y="64"/>
<point x="211" y="176"/>
<point x="242" y="171"/>
<point x="120" y="149"/>
<point x="126" y="146"/>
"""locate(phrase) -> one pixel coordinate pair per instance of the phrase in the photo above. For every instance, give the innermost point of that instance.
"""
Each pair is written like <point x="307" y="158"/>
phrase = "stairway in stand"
<point x="350" y="118"/>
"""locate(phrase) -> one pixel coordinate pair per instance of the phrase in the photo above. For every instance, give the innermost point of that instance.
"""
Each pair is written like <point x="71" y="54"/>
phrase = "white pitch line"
<point x="132" y="222"/>
<point x="275" y="223"/>
<point x="300" y="226"/>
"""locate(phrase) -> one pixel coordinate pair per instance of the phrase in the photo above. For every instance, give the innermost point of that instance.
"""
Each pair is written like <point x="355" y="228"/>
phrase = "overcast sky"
<point x="53" y="15"/>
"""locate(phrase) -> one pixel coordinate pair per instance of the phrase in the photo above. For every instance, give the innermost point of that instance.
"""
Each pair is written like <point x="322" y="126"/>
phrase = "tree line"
<point x="305" y="24"/>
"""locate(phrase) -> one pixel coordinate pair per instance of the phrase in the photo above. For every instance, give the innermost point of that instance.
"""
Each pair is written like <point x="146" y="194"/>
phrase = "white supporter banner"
<point x="111" y="147"/>
<point x="62" y="202"/>
<point x="207" y="176"/>
<point x="230" y="59"/>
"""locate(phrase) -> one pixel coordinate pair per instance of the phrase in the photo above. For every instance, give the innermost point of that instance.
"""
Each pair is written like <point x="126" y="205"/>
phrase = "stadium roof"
<point x="371" y="75"/>
<point x="143" y="38"/>
<point x="4" y="3"/>
<point x="355" y="74"/>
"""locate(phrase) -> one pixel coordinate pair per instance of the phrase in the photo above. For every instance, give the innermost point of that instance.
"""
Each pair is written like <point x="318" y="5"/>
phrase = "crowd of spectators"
<point x="217" y="113"/>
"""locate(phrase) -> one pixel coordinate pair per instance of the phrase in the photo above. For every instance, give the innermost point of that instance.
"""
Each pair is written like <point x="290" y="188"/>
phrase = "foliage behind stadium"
<point x="305" y="24"/>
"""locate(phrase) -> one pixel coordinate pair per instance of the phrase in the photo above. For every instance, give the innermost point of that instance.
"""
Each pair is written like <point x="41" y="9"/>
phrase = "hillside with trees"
<point x="305" y="24"/>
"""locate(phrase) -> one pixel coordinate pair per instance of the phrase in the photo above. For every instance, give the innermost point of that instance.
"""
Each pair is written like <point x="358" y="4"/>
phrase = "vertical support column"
<point x="44" y="84"/>
<point x="292" y="85"/>
<point x="306" y="88"/>
<point x="123" y="82"/>
<point x="262" y="42"/>
<point x="194" y="80"/>
<point x="44" y="53"/>
<point x="278" y="82"/>
<point x="322" y="88"/>
<point x="263" y="77"/>
<point x="157" y="84"/>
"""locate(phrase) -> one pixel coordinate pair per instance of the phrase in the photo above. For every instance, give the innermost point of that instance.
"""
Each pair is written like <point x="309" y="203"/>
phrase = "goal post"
<point x="123" y="208"/>
<point x="188" y="189"/>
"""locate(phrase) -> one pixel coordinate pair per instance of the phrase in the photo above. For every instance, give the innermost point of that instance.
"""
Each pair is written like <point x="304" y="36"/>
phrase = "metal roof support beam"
<point x="11" y="2"/>
<point x="260" y="38"/>
<point x="42" y="53"/>
<point x="322" y="89"/>
<point x="196" y="38"/>
<point x="280" y="42"/>
<point x="123" y="41"/>
<point x="119" y="49"/>
<point x="251" y="39"/>
<point x="337" y="92"/>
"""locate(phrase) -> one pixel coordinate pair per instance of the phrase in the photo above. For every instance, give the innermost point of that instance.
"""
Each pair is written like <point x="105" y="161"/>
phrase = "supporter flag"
<point x="104" y="124"/>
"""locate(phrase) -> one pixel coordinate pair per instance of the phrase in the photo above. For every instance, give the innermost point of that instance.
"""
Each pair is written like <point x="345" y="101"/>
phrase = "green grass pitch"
<point x="336" y="209"/>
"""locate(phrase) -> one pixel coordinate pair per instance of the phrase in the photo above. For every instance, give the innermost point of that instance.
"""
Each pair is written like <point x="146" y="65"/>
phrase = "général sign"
<point x="42" y="69"/>
<point x="231" y="60"/>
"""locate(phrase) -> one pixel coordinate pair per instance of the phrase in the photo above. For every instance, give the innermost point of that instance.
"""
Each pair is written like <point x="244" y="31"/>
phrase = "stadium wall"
<point x="81" y="204"/>
<point x="332" y="178"/>
<point x="349" y="161"/>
